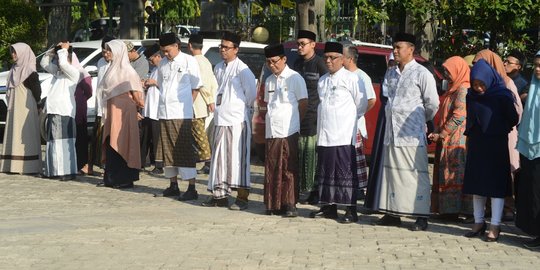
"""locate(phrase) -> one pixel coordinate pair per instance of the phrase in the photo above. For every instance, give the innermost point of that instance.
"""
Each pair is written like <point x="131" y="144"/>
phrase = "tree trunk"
<point x="131" y="19"/>
<point x="310" y="16"/>
<point x="59" y="21"/>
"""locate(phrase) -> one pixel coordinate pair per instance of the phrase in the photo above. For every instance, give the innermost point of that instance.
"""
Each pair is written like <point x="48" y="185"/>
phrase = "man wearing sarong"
<point x="286" y="95"/>
<point x="412" y="100"/>
<point x="311" y="67"/>
<point x="342" y="103"/>
<point x="350" y="58"/>
<point x="230" y="162"/>
<point x="204" y="103"/>
<point x="179" y="82"/>
<point x="60" y="157"/>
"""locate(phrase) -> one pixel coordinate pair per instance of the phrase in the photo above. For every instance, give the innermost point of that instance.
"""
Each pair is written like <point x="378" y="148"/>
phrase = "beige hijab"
<point x="25" y="65"/>
<point x="120" y="76"/>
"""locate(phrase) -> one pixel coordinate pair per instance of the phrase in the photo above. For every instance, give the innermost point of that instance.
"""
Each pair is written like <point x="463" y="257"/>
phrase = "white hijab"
<point x="120" y="76"/>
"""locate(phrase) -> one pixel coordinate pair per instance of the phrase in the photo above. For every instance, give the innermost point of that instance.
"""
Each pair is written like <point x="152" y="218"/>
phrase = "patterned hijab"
<point x="529" y="128"/>
<point x="25" y="65"/>
<point x="460" y="72"/>
<point x="120" y="76"/>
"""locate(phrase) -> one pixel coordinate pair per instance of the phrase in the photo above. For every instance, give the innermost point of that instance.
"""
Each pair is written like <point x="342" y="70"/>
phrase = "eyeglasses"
<point x="331" y="57"/>
<point x="225" y="48"/>
<point x="508" y="62"/>
<point x="303" y="44"/>
<point x="273" y="62"/>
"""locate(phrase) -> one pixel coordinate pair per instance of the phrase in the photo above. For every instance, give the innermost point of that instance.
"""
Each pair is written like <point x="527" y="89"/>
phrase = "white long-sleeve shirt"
<point x="236" y="93"/>
<point x="61" y="95"/>
<point x="151" y="100"/>
<point x="342" y="103"/>
<point x="412" y="99"/>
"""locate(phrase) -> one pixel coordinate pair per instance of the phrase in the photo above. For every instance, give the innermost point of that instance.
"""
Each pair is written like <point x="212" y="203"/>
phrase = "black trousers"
<point x="149" y="140"/>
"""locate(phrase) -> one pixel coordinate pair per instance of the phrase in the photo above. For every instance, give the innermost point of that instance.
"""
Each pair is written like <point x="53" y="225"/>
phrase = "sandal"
<point x="493" y="230"/>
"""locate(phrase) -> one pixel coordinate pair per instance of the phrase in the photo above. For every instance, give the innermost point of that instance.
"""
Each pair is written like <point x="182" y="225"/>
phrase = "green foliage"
<point x="20" y="22"/>
<point x="178" y="11"/>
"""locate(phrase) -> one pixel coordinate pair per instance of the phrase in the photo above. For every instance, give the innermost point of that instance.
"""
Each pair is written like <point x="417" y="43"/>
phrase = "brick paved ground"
<point x="48" y="224"/>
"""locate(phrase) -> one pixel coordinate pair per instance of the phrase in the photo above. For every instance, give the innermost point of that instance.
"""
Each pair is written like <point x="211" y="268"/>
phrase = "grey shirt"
<point x="141" y="66"/>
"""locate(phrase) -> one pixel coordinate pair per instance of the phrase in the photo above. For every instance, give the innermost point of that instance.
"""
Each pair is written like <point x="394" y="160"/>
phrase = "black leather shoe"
<point x="103" y="184"/>
<point x="189" y="195"/>
<point x="421" y="224"/>
<point x="204" y="170"/>
<point x="213" y="202"/>
<point x="66" y="177"/>
<point x="312" y="198"/>
<point x="388" y="220"/>
<point x="533" y="244"/>
<point x="239" y="205"/>
<point x="171" y="192"/>
<point x="327" y="211"/>
<point x="349" y="217"/>
<point x="156" y="171"/>
<point x="479" y="232"/>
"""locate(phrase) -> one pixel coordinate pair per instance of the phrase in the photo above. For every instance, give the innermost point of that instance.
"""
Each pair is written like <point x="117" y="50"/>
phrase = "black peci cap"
<point x="405" y="37"/>
<point x="232" y="37"/>
<point x="274" y="50"/>
<point x="333" y="47"/>
<point x="306" y="34"/>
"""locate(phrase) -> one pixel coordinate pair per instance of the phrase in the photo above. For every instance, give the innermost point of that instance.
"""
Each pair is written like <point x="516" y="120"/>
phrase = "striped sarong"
<point x="60" y="154"/>
<point x="405" y="186"/>
<point x="307" y="162"/>
<point x="361" y="164"/>
<point x="230" y="163"/>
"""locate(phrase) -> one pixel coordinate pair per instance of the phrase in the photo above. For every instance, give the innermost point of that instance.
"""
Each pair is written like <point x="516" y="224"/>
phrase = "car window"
<point x="253" y="57"/>
<point x="374" y="65"/>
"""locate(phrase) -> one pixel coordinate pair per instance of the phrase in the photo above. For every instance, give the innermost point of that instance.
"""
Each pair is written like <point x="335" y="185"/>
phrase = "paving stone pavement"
<point x="48" y="224"/>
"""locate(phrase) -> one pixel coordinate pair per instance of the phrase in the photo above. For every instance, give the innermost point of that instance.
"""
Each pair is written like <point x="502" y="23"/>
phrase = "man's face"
<point x="155" y="59"/>
<point x="305" y="46"/>
<point x="511" y="64"/>
<point x="333" y="61"/>
<point x="227" y="50"/>
<point x="276" y="64"/>
<point x="537" y="67"/>
<point x="170" y="51"/>
<point x="403" y="51"/>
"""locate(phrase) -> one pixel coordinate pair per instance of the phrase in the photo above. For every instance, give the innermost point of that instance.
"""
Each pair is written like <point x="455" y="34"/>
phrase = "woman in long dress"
<point x="528" y="182"/>
<point x="446" y="196"/>
<point x="491" y="115"/>
<point x="122" y="92"/>
<point x="21" y="152"/>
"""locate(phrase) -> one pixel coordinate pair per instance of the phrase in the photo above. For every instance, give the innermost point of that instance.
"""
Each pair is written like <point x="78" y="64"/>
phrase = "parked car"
<point x="88" y="53"/>
<point x="372" y="59"/>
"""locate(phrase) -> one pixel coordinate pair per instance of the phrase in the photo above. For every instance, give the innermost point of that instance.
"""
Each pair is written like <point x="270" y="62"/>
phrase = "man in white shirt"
<point x="179" y="82"/>
<point x="350" y="58"/>
<point x="204" y="104"/>
<point x="342" y="103"/>
<point x="230" y="162"/>
<point x="286" y="95"/>
<point x="150" y="123"/>
<point x="412" y="101"/>
<point x="60" y="108"/>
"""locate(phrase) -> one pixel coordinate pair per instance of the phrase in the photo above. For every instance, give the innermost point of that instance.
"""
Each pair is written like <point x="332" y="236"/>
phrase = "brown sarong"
<point x="281" y="172"/>
<point x="202" y="147"/>
<point x="175" y="144"/>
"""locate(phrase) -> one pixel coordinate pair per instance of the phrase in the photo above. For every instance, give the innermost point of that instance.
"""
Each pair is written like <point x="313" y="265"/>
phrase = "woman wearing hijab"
<point x="122" y="93"/>
<point x="491" y="115"/>
<point x="447" y="198"/>
<point x="83" y="92"/>
<point x="60" y="157"/>
<point x="528" y="182"/>
<point x="21" y="152"/>
<point x="496" y="62"/>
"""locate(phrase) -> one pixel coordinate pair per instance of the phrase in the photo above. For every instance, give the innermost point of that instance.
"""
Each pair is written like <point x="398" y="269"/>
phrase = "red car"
<point x="372" y="59"/>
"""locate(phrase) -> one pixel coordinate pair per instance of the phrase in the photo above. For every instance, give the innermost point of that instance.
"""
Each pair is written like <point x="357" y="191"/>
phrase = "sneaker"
<point x="239" y="205"/>
<point x="171" y="192"/>
<point x="213" y="202"/>
<point x="189" y="195"/>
